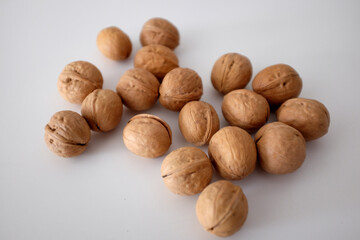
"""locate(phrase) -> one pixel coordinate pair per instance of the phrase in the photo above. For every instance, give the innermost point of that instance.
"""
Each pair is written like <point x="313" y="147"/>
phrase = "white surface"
<point x="109" y="193"/>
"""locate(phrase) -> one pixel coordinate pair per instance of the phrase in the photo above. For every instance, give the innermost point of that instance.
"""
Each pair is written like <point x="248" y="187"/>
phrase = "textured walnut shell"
<point x="114" y="43"/>
<point x="77" y="80"/>
<point x="245" y="109"/>
<point x="233" y="153"/>
<point x="157" y="59"/>
<point x="231" y="71"/>
<point x="159" y="31"/>
<point x="138" y="88"/>
<point x="186" y="171"/>
<point x="198" y="122"/>
<point x="277" y="83"/>
<point x="147" y="135"/>
<point x="222" y="208"/>
<point x="308" y="116"/>
<point x="180" y="86"/>
<point x="102" y="109"/>
<point x="67" y="134"/>
<point x="281" y="148"/>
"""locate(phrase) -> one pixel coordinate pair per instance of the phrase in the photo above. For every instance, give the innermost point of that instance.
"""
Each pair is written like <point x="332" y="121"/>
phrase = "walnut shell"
<point x="147" y="135"/>
<point x="233" y="153"/>
<point x="159" y="31"/>
<point x="281" y="148"/>
<point x="186" y="171"/>
<point x="277" y="83"/>
<point x="245" y="109"/>
<point x="67" y="134"/>
<point x="114" y="43"/>
<point x="138" y="88"/>
<point x="180" y="86"/>
<point x="198" y="122"/>
<point x="308" y="116"/>
<point x="77" y="80"/>
<point x="231" y="71"/>
<point x="102" y="109"/>
<point x="157" y="59"/>
<point x="222" y="208"/>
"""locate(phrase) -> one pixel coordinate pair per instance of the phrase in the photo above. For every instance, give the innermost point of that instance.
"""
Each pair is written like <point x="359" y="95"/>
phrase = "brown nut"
<point x="159" y="31"/>
<point x="186" y="171"/>
<point x="77" y="80"/>
<point x="147" y="135"/>
<point x="138" y="88"/>
<point x="102" y="109"/>
<point x="277" y="83"/>
<point x="233" y="153"/>
<point x="114" y="43"/>
<point x="222" y="208"/>
<point x="198" y="122"/>
<point x="67" y="134"/>
<point x="157" y="59"/>
<point x="245" y="109"/>
<point x="308" y="116"/>
<point x="281" y="148"/>
<point x="180" y="86"/>
<point x="231" y="71"/>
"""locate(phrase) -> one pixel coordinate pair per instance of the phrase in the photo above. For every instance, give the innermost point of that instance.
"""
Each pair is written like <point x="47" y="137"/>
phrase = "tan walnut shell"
<point x="102" y="109"/>
<point x="231" y="71"/>
<point x="308" y="116"/>
<point x="77" y="80"/>
<point x="160" y="31"/>
<point x="277" y="83"/>
<point x="147" y="135"/>
<point x="157" y="59"/>
<point x="245" y="109"/>
<point x="67" y="134"/>
<point x="180" y="86"/>
<point x="222" y="208"/>
<point x="138" y="88"/>
<point x="114" y="43"/>
<point x="233" y="153"/>
<point x="281" y="148"/>
<point x="186" y="171"/>
<point x="198" y="122"/>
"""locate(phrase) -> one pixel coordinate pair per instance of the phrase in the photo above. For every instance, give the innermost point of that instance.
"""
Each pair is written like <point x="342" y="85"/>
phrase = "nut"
<point x="308" y="116"/>
<point x="233" y="153"/>
<point x="186" y="171"/>
<point x="102" y="109"/>
<point x="159" y="31"/>
<point x="222" y="208"/>
<point x="157" y="59"/>
<point x="277" y="83"/>
<point x="147" y="135"/>
<point x="231" y="71"/>
<point x="180" y="86"/>
<point x="114" y="43"/>
<point x="245" y="109"/>
<point x="198" y="122"/>
<point x="138" y="88"/>
<point x="77" y="80"/>
<point x="281" y="148"/>
<point x="67" y="134"/>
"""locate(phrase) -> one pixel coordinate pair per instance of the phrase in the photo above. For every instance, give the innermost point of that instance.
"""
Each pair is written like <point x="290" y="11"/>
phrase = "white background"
<point x="110" y="193"/>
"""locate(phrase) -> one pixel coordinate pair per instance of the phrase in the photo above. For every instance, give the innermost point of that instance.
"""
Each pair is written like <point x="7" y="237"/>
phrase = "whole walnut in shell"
<point x="198" y="122"/>
<point x="102" y="109"/>
<point x="231" y="71"/>
<point x="222" y="208"/>
<point x="67" y="134"/>
<point x="186" y="171"/>
<point x="308" y="116"/>
<point x="77" y="80"/>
